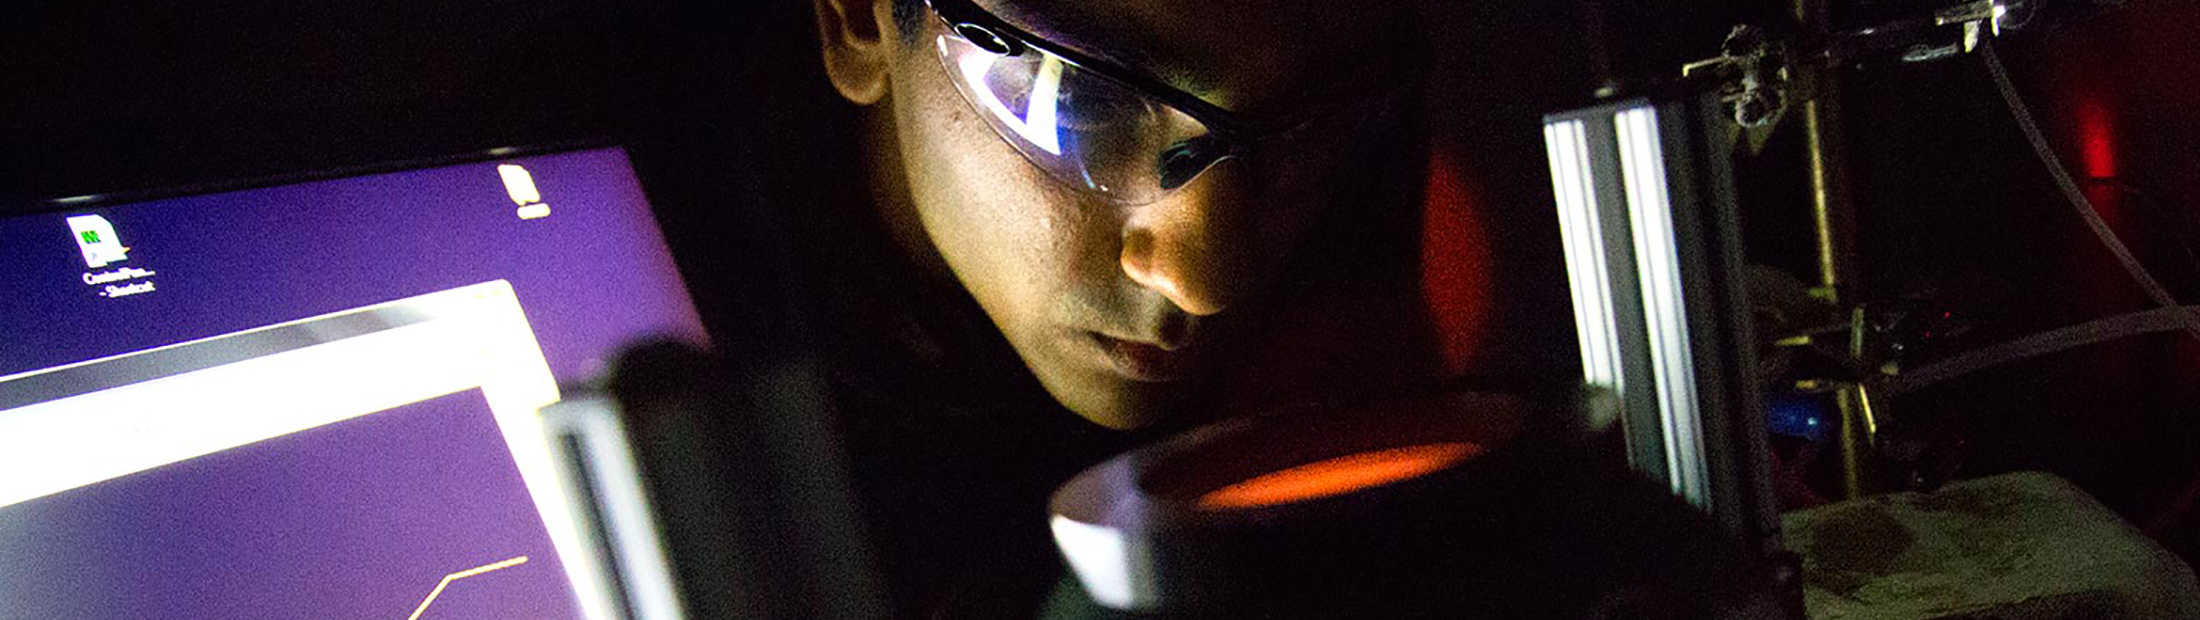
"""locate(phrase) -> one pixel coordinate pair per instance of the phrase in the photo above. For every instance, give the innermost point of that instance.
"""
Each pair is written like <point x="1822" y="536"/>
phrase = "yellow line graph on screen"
<point x="447" y="579"/>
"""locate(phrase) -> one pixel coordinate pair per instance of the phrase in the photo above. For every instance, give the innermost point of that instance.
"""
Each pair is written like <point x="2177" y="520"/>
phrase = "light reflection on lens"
<point x="1037" y="124"/>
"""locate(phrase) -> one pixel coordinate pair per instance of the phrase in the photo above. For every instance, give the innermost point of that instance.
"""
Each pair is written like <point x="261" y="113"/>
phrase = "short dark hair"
<point x="908" y="17"/>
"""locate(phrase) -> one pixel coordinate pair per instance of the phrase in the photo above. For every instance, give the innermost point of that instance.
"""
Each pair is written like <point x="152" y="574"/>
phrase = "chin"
<point x="1118" y="404"/>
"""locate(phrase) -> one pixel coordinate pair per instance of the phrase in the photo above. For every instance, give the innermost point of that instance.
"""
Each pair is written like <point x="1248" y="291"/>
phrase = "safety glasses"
<point x="1102" y="129"/>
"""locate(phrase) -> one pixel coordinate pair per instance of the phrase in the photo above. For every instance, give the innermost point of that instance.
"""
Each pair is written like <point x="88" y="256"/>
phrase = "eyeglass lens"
<point x="1082" y="128"/>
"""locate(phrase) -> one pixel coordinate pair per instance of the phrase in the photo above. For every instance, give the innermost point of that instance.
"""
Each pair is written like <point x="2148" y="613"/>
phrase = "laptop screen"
<point x="319" y="399"/>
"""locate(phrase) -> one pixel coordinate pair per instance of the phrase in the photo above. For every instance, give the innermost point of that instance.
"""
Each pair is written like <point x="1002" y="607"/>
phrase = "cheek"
<point x="1017" y="242"/>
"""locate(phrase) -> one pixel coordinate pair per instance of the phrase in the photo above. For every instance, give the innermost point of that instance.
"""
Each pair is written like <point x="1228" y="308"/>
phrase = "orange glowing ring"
<point x="1338" y="475"/>
<point x="1202" y="515"/>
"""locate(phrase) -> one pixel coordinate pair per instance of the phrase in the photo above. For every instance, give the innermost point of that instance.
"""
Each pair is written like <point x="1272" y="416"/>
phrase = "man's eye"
<point x="1095" y="109"/>
<point x="1182" y="161"/>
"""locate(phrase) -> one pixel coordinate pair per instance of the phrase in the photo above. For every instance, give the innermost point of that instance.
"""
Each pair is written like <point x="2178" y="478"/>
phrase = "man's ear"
<point x="858" y="39"/>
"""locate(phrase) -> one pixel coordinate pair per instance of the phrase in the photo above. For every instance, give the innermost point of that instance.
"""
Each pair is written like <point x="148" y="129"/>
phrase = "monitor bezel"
<point x="42" y="205"/>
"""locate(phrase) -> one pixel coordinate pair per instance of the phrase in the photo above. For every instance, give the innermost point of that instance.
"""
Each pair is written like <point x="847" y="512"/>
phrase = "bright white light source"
<point x="1036" y="125"/>
<point x="1581" y="229"/>
<point x="1099" y="557"/>
<point x="1665" y="313"/>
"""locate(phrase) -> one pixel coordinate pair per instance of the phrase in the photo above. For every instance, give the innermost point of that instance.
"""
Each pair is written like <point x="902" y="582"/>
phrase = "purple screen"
<point x="592" y="275"/>
<point x="359" y="518"/>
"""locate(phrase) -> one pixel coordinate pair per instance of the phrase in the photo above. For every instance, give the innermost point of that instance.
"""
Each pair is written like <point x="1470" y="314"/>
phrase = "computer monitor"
<point x="333" y="398"/>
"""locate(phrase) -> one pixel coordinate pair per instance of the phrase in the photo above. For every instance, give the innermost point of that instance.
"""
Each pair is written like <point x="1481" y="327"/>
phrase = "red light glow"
<point x="2096" y="138"/>
<point x="1456" y="277"/>
<point x="1338" y="475"/>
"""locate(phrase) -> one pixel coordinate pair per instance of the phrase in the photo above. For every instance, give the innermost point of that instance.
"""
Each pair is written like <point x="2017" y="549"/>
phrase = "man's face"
<point x="1120" y="311"/>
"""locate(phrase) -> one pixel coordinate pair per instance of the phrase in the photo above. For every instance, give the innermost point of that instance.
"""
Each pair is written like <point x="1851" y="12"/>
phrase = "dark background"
<point x="723" y="111"/>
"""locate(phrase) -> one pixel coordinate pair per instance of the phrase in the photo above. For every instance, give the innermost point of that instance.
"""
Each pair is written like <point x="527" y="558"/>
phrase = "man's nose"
<point x="1195" y="246"/>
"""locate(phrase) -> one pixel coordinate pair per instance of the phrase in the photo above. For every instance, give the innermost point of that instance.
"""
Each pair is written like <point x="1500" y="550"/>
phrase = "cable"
<point x="2059" y="339"/>
<point x="2190" y="317"/>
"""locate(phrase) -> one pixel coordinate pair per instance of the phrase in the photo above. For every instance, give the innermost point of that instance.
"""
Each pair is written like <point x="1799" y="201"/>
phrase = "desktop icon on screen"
<point x="521" y="187"/>
<point x="96" y="238"/>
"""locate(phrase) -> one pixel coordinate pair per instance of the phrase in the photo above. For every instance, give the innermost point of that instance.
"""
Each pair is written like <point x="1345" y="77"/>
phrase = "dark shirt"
<point x="953" y="446"/>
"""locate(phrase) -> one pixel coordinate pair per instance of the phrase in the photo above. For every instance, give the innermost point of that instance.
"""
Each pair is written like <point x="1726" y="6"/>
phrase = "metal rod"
<point x="1833" y="224"/>
<point x="1831" y="218"/>
<point x="1859" y="431"/>
<point x="1824" y="135"/>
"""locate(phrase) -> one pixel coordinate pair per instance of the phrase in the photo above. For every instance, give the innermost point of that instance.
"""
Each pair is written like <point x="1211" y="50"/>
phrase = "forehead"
<point x="1240" y="54"/>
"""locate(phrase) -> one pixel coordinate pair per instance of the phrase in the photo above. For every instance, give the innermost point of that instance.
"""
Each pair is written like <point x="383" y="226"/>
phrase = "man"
<point x="1127" y="213"/>
<point x="1156" y="212"/>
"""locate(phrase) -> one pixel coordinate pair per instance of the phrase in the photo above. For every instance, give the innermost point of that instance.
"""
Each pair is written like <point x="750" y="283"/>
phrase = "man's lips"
<point x="1139" y="360"/>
